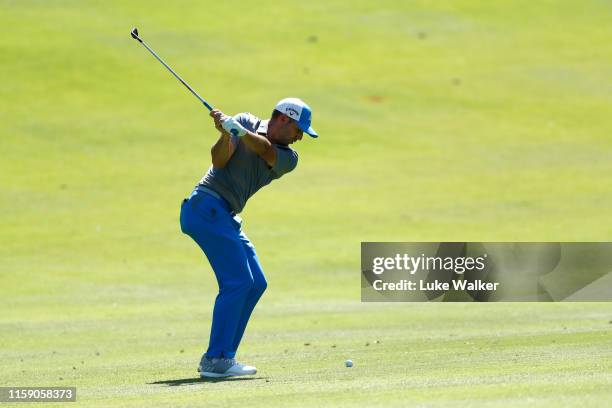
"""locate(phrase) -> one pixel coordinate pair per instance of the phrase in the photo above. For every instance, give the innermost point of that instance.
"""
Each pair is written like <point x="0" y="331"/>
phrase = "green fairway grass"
<point x="438" y="121"/>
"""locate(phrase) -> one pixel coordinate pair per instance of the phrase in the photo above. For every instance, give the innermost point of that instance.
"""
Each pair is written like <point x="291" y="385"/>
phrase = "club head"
<point x="135" y="34"/>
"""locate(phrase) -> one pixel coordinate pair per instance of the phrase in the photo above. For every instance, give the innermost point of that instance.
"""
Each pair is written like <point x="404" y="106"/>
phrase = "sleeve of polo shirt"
<point x="286" y="160"/>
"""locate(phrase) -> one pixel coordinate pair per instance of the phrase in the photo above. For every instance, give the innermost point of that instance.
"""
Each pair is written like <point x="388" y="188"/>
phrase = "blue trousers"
<point x="209" y="222"/>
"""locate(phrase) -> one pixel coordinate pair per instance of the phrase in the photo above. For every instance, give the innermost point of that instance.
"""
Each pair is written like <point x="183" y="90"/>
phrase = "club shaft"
<point x="178" y="77"/>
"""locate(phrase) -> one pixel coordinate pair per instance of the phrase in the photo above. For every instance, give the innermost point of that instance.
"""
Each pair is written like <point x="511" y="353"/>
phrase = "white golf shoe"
<point x="223" y="367"/>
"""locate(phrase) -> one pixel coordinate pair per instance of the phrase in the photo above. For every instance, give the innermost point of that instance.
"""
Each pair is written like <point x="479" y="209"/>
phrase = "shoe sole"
<point x="215" y="375"/>
<point x="223" y="375"/>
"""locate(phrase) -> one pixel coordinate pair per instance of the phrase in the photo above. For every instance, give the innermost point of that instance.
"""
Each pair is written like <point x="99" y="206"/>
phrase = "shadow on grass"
<point x="195" y="380"/>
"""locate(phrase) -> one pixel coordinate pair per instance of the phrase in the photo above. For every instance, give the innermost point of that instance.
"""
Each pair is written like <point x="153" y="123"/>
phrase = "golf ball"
<point x="348" y="363"/>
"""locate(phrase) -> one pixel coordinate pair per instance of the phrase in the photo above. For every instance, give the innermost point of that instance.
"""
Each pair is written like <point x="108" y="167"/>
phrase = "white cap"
<point x="297" y="110"/>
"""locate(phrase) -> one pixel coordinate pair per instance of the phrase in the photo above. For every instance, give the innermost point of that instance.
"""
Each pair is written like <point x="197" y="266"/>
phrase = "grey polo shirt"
<point x="245" y="172"/>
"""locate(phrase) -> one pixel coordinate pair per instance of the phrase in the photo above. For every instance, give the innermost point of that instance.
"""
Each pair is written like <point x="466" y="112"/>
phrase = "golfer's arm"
<point x="222" y="151"/>
<point x="262" y="146"/>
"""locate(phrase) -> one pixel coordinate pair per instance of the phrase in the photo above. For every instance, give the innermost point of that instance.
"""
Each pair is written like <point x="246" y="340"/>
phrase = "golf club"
<point x="137" y="38"/>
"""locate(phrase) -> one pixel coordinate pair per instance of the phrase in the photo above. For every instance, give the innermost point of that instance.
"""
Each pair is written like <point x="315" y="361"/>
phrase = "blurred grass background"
<point x="454" y="120"/>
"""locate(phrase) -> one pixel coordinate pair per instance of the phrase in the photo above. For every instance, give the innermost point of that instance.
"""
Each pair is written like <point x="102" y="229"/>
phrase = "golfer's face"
<point x="293" y="132"/>
<point x="287" y="132"/>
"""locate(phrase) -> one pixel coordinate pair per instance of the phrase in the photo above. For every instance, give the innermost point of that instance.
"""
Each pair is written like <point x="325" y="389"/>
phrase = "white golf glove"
<point x="231" y="126"/>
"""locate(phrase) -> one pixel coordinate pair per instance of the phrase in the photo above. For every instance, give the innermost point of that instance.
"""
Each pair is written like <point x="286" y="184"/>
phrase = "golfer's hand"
<point x="232" y="127"/>
<point x="219" y="117"/>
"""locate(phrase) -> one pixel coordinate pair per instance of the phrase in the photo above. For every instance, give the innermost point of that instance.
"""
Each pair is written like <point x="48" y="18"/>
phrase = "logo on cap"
<point x="291" y="111"/>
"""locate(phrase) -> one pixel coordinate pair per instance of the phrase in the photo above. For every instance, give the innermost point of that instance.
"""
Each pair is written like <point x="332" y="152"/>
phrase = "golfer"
<point x="248" y="155"/>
